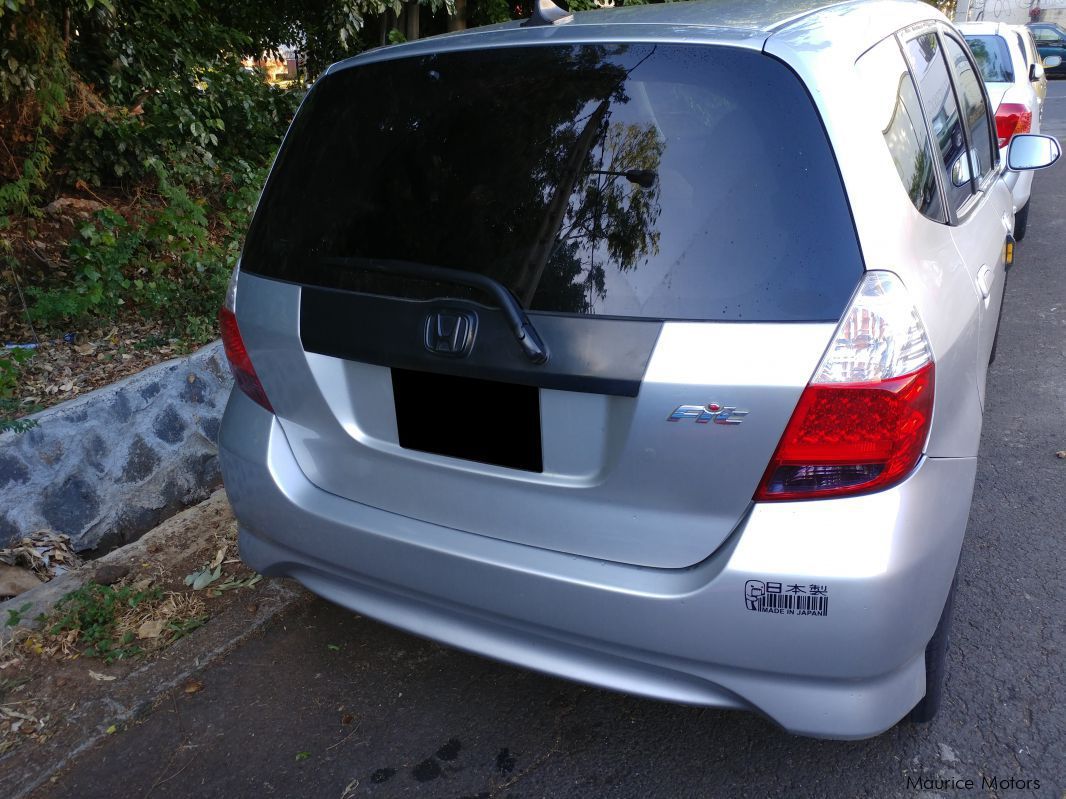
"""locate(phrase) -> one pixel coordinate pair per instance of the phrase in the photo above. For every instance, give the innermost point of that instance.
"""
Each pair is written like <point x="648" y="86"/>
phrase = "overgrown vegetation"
<point x="147" y="108"/>
<point x="10" y="362"/>
<point x="92" y="613"/>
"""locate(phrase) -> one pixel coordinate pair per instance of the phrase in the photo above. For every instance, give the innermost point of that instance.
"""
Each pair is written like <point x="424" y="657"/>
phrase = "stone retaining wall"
<point x="109" y="466"/>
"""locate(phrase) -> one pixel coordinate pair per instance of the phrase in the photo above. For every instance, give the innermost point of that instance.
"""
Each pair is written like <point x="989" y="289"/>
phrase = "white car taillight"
<point x="863" y="420"/>
<point x="236" y="353"/>
<point x="1012" y="118"/>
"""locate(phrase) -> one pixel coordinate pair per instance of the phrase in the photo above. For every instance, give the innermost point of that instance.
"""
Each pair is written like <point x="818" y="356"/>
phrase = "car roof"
<point x="754" y="15"/>
<point x="984" y="28"/>
<point x="857" y="25"/>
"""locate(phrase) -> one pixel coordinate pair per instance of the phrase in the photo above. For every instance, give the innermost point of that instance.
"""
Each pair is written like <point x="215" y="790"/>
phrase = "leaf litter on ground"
<point x="46" y="553"/>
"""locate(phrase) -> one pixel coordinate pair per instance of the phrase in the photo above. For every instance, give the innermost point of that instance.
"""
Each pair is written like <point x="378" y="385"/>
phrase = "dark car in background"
<point x="1050" y="41"/>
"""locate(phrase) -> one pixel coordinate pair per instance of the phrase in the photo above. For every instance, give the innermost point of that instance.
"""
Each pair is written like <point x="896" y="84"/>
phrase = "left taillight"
<point x="862" y="422"/>
<point x="236" y="353"/>
<point x="1012" y="118"/>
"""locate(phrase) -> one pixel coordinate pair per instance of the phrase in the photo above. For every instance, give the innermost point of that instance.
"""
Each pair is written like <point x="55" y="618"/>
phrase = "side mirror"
<point x="1036" y="72"/>
<point x="960" y="170"/>
<point x="1052" y="61"/>
<point x="1029" y="151"/>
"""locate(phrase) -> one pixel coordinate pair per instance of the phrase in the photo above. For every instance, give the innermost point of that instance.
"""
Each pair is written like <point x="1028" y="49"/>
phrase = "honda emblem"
<point x="451" y="332"/>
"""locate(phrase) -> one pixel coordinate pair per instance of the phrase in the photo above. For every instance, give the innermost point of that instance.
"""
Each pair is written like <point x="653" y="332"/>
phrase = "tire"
<point x="936" y="653"/>
<point x="1021" y="222"/>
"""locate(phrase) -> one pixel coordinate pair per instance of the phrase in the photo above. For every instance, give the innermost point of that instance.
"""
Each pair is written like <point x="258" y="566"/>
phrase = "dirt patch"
<point x="85" y="649"/>
<point x="62" y="369"/>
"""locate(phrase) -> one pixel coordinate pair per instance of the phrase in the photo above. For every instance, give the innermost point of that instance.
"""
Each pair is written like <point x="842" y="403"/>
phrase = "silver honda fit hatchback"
<point x="646" y="348"/>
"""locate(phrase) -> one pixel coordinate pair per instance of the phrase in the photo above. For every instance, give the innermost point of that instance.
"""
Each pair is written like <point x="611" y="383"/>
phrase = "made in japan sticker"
<point x="787" y="599"/>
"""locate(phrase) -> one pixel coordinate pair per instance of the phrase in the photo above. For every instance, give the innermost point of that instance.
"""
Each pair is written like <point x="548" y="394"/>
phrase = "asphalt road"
<point x="326" y="704"/>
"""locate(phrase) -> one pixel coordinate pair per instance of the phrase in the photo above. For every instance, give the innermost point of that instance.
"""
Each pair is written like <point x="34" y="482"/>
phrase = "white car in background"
<point x="1016" y="84"/>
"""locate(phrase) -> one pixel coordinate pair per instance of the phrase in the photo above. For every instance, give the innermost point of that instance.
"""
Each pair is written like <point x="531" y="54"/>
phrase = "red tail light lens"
<point x="239" y="362"/>
<point x="862" y="421"/>
<point x="1012" y="118"/>
<point x="850" y="438"/>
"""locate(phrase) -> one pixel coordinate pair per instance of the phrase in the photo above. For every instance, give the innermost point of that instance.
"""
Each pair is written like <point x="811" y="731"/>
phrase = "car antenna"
<point x="545" y="12"/>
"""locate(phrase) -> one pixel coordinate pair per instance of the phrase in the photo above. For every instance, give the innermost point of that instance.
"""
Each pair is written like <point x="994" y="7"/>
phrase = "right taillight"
<point x="862" y="422"/>
<point x="1012" y="118"/>
<point x="236" y="353"/>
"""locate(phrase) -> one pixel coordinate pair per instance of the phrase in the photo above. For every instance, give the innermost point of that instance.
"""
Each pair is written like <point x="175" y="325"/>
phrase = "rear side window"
<point x="884" y="74"/>
<point x="1025" y="42"/>
<point x="652" y="181"/>
<point x="974" y="108"/>
<point x="934" y="86"/>
<point x="993" y="58"/>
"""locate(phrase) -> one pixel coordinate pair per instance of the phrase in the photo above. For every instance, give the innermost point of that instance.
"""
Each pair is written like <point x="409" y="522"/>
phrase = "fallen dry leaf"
<point x="153" y="628"/>
<point x="102" y="677"/>
<point x="193" y="686"/>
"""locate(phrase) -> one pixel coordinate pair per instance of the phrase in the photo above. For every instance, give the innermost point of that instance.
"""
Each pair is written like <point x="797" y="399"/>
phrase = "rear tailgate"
<point x="684" y="298"/>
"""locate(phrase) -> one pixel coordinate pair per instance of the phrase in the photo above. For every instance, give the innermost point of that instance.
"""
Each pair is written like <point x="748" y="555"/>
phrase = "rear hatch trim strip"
<point x="597" y="355"/>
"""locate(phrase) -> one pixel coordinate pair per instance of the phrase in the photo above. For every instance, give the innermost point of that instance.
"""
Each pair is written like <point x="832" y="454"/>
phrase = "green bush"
<point x="199" y="125"/>
<point x="108" y="148"/>
<point x="170" y="264"/>
<point x="99" y="256"/>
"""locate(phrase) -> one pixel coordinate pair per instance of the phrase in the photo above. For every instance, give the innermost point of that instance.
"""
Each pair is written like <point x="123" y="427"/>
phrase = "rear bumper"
<point x="1019" y="183"/>
<point x="683" y="635"/>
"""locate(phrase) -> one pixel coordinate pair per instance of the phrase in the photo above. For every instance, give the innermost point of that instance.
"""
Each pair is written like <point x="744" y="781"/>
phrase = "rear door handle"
<point x="984" y="281"/>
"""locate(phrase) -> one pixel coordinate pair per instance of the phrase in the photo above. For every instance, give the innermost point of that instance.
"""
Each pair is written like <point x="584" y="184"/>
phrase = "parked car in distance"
<point x="1016" y="87"/>
<point x="1050" y="41"/>
<point x="560" y="343"/>
<point x="1034" y="65"/>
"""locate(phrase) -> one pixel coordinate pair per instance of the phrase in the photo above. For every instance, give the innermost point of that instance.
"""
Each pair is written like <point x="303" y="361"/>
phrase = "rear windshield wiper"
<point x="527" y="336"/>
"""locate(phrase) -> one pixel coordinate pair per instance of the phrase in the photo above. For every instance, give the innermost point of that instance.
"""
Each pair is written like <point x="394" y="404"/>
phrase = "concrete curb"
<point x="87" y="725"/>
<point x="169" y="538"/>
<point x="112" y="464"/>
<point x="27" y="767"/>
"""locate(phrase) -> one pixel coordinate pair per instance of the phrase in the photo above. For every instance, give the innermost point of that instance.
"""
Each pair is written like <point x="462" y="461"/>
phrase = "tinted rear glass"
<point x="626" y="180"/>
<point x="993" y="57"/>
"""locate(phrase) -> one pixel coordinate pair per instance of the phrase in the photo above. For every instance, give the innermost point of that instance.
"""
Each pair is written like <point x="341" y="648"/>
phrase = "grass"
<point x="93" y="613"/>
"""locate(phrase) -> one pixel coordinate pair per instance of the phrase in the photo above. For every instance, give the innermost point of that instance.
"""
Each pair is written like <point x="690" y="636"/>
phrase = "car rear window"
<point x="635" y="180"/>
<point x="993" y="57"/>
